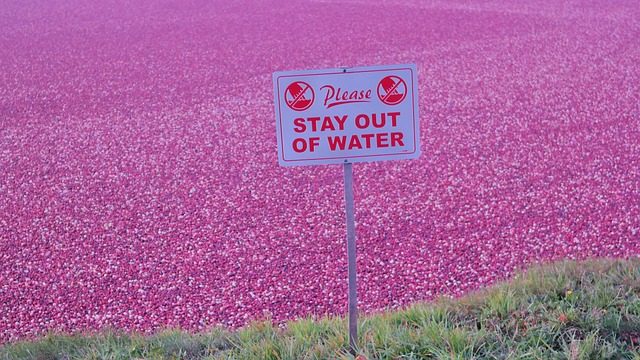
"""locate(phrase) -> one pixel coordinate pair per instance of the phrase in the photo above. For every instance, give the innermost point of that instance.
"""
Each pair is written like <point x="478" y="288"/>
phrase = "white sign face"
<point x="338" y="116"/>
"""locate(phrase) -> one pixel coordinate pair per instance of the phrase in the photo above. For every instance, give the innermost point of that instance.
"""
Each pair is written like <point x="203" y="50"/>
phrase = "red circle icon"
<point x="299" y="96"/>
<point x="392" y="90"/>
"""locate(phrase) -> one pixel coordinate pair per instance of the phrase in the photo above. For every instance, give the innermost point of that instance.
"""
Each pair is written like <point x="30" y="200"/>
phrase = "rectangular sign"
<point x="337" y="116"/>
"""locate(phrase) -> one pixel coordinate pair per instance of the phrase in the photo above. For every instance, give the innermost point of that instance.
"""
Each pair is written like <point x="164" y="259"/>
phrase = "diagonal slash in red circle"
<point x="295" y="101"/>
<point x="391" y="91"/>
<point x="301" y="94"/>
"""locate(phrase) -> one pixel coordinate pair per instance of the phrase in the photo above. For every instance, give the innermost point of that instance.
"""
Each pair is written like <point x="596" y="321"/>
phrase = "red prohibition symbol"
<point x="299" y="96"/>
<point x="392" y="90"/>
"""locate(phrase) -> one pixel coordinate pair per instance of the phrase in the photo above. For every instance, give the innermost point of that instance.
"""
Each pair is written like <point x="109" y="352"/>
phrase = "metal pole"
<point x="351" y="257"/>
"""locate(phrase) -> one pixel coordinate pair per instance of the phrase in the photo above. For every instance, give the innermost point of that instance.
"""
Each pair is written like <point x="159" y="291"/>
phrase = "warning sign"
<point x="394" y="90"/>
<point x="297" y="94"/>
<point x="336" y="116"/>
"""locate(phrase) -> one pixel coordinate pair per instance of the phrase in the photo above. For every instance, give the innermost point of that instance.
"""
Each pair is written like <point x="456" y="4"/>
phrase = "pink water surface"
<point x="139" y="183"/>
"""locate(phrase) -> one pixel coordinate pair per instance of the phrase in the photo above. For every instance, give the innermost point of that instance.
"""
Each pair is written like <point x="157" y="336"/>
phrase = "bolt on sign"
<point x="335" y="116"/>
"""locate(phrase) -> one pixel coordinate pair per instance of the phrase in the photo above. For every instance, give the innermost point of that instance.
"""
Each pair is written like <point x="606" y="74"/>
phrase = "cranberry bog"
<point x="139" y="182"/>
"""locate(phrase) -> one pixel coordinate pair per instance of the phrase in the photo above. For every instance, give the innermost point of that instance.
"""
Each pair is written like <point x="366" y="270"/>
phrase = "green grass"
<point x="566" y="310"/>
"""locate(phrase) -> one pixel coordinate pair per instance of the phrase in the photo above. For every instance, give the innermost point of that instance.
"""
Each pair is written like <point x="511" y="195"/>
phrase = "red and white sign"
<point x="337" y="116"/>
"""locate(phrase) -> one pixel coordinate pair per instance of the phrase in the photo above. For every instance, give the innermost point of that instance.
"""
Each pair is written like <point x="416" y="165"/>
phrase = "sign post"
<point x="343" y="116"/>
<point x="351" y="257"/>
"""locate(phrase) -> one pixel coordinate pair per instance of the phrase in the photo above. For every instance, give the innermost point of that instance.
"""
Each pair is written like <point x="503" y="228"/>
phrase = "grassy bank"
<point x="568" y="310"/>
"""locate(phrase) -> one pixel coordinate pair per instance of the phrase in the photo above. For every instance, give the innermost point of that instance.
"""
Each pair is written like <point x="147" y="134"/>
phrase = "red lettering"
<point x="364" y="123"/>
<point x="300" y="126"/>
<point x="378" y="121"/>
<point x="314" y="123"/>
<point x="337" y="142"/>
<point x="330" y="92"/>
<point x="355" y="142"/>
<point x="393" y="118"/>
<point x="367" y="138"/>
<point x="365" y="141"/>
<point x="396" y="139"/>
<point x="333" y="97"/>
<point x="341" y="121"/>
<point x="327" y="124"/>
<point x="382" y="140"/>
<point x="313" y="143"/>
<point x="381" y="123"/>
<point x="299" y="145"/>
